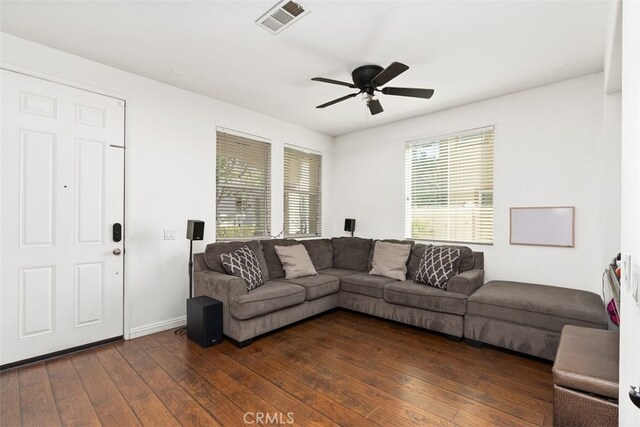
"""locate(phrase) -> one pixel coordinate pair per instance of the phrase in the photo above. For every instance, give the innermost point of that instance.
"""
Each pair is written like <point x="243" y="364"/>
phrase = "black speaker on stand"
<point x="350" y="225"/>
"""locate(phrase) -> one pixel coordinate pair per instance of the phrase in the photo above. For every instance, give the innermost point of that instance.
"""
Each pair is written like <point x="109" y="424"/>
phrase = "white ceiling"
<point x="465" y="50"/>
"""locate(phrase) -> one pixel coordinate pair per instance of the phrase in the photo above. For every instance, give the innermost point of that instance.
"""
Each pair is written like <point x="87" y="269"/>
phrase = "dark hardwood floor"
<point x="340" y="368"/>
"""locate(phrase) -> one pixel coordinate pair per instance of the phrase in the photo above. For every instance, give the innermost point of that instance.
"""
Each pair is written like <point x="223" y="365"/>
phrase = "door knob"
<point x="117" y="251"/>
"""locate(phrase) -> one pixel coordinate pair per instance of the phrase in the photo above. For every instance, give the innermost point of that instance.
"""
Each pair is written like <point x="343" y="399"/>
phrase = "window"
<point x="302" y="193"/>
<point x="243" y="187"/>
<point x="449" y="187"/>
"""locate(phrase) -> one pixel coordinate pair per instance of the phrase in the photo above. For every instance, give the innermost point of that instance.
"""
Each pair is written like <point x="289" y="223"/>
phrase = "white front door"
<point x="62" y="190"/>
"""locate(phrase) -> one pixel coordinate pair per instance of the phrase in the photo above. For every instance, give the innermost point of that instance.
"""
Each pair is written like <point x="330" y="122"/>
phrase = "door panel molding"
<point x="37" y="301"/>
<point x="37" y="193"/>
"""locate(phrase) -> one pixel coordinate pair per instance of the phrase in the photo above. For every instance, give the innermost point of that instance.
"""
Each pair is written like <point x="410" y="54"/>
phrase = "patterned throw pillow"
<point x="437" y="266"/>
<point x="244" y="264"/>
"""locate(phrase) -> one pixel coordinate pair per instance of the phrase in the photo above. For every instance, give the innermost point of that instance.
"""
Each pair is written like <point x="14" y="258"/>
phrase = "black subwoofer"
<point x="204" y="321"/>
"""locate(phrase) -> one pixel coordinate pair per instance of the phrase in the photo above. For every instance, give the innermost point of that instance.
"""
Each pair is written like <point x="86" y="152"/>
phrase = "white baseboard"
<point x="152" y="328"/>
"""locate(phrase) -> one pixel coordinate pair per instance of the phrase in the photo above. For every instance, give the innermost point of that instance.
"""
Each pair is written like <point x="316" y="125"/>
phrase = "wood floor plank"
<point x="131" y="386"/>
<point x="152" y="412"/>
<point x="10" y="398"/>
<point x="225" y="409"/>
<point x="487" y="357"/>
<point x="306" y="416"/>
<point x="37" y="406"/>
<point x="145" y="404"/>
<point x="301" y="391"/>
<point x="179" y="402"/>
<point x="483" y="418"/>
<point x="73" y="405"/>
<point x="409" y="389"/>
<point x="437" y="359"/>
<point x="280" y="399"/>
<point x="440" y="392"/>
<point x="320" y="402"/>
<point x="110" y="406"/>
<point x="229" y="389"/>
<point x="318" y="371"/>
<point x="339" y="368"/>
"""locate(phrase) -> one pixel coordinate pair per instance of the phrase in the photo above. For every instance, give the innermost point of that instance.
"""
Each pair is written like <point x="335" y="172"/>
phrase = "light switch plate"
<point x="169" y="234"/>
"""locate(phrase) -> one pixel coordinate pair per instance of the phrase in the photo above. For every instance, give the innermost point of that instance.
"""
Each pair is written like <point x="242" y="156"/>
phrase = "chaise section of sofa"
<point x="528" y="317"/>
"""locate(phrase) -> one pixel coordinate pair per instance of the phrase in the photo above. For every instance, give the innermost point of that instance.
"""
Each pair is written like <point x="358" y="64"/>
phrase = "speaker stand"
<point x="183" y="330"/>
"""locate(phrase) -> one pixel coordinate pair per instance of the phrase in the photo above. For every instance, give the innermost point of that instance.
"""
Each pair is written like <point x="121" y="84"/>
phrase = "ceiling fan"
<point x="368" y="78"/>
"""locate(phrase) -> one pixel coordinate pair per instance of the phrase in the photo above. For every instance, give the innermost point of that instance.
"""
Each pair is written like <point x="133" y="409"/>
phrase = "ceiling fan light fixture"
<point x="367" y="78"/>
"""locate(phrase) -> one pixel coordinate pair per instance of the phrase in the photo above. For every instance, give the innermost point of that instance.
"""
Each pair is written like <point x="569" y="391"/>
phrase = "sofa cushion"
<point x="351" y="253"/>
<point x="410" y="243"/>
<point x="412" y="294"/>
<point x="540" y="306"/>
<point x="271" y="257"/>
<point x="390" y="260"/>
<point x="365" y="284"/>
<point x="317" y="286"/>
<point x="270" y="297"/>
<point x="417" y="252"/>
<point x="467" y="259"/>
<point x="337" y="272"/>
<point x="295" y="261"/>
<point x="320" y="251"/>
<point x="214" y="250"/>
<point x="437" y="266"/>
<point x="243" y="263"/>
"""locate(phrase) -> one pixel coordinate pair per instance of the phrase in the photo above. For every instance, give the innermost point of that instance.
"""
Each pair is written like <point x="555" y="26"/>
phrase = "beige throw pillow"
<point x="295" y="261"/>
<point x="390" y="260"/>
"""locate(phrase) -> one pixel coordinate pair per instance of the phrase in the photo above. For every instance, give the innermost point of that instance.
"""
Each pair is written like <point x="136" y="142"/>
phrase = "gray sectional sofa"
<point x="343" y="280"/>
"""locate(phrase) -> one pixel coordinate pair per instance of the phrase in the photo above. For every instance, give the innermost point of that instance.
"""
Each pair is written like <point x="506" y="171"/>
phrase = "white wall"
<point x="548" y="152"/>
<point x="630" y="309"/>
<point x="611" y="194"/>
<point x="170" y="172"/>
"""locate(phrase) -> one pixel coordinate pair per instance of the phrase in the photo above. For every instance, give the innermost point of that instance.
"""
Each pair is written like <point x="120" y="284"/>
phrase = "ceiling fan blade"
<point x="374" y="107"/>
<point x="391" y="72"/>
<point x="408" y="91"/>
<point x="335" y="101"/>
<point x="334" y="82"/>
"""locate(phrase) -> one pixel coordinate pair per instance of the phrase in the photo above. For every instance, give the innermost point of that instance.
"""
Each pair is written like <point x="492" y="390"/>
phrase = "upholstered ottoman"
<point x="528" y="318"/>
<point x="585" y="378"/>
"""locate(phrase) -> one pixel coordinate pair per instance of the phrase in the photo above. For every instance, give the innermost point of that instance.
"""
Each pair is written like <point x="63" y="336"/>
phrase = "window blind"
<point x="302" y="193"/>
<point x="243" y="187"/>
<point x="449" y="187"/>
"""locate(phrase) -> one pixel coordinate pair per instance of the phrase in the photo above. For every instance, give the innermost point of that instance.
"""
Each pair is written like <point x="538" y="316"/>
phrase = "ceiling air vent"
<point x="281" y="16"/>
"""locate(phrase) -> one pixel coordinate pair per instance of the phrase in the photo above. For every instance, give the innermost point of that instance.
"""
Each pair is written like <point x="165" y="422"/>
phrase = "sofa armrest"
<point x="199" y="263"/>
<point x="218" y="285"/>
<point x="466" y="283"/>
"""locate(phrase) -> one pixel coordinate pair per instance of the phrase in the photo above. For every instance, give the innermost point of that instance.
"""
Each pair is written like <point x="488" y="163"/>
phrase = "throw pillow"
<point x="437" y="266"/>
<point x="243" y="263"/>
<point x="295" y="261"/>
<point x="390" y="260"/>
